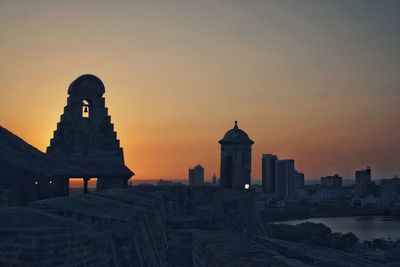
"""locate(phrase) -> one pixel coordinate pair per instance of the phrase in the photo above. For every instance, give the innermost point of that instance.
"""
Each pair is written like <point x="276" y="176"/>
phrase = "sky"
<point x="313" y="80"/>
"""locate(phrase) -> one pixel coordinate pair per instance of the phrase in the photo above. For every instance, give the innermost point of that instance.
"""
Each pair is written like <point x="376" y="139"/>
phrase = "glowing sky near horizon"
<point x="318" y="81"/>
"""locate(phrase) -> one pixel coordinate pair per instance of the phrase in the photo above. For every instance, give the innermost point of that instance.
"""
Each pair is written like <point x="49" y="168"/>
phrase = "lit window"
<point x="51" y="182"/>
<point x="85" y="109"/>
<point x="246" y="186"/>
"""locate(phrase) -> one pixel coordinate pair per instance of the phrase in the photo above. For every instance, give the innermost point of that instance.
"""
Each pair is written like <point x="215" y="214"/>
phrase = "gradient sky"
<point x="318" y="81"/>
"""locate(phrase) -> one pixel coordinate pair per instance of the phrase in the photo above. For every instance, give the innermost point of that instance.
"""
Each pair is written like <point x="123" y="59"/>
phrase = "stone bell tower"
<point x="236" y="159"/>
<point x="85" y="136"/>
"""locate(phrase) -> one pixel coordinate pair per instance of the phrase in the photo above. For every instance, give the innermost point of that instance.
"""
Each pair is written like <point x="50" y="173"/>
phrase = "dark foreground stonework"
<point x="33" y="238"/>
<point x="152" y="226"/>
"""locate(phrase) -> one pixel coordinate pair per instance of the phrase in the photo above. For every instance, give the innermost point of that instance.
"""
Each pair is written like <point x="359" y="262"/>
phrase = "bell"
<point x="85" y="110"/>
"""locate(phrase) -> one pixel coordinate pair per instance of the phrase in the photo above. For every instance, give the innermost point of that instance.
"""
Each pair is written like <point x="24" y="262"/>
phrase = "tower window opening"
<point x="85" y="109"/>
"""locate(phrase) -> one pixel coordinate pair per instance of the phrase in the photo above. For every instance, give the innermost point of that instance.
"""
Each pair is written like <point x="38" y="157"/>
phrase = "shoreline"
<point x="335" y="216"/>
<point x="282" y="215"/>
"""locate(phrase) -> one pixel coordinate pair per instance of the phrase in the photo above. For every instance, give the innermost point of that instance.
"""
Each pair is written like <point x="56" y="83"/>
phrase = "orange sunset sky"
<point x="317" y="81"/>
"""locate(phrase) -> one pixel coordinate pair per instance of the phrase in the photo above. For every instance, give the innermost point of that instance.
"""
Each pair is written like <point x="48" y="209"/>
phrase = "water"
<point x="364" y="227"/>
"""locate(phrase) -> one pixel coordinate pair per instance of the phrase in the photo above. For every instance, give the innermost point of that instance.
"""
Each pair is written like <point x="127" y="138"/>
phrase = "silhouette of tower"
<point x="85" y="136"/>
<point x="235" y="158"/>
<point x="214" y="180"/>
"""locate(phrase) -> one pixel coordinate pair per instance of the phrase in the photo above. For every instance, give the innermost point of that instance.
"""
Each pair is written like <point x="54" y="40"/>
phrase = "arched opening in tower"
<point x="79" y="186"/>
<point x="227" y="171"/>
<point x="85" y="109"/>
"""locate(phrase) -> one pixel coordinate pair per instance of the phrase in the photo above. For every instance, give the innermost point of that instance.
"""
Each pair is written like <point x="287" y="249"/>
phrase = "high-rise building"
<point x="363" y="178"/>
<point x="196" y="175"/>
<point x="236" y="159"/>
<point x="390" y="190"/>
<point x="334" y="181"/>
<point x="299" y="180"/>
<point x="269" y="173"/>
<point x="286" y="179"/>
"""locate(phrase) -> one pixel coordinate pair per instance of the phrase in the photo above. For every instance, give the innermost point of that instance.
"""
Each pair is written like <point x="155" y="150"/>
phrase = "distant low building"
<point x="334" y="181"/>
<point x="163" y="182"/>
<point x="196" y="175"/>
<point x="369" y="200"/>
<point x="316" y="194"/>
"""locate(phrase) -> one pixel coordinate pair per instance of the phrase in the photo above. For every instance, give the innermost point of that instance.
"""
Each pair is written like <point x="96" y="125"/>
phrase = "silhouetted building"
<point x="286" y="179"/>
<point x="236" y="159"/>
<point x="196" y="175"/>
<point x="269" y="173"/>
<point x="372" y="188"/>
<point x="390" y="191"/>
<point x="163" y="182"/>
<point x="28" y="174"/>
<point x="85" y="137"/>
<point x="299" y="183"/>
<point x="214" y="180"/>
<point x="316" y="193"/>
<point x="363" y="177"/>
<point x="334" y="181"/>
<point x="279" y="177"/>
<point x="84" y="146"/>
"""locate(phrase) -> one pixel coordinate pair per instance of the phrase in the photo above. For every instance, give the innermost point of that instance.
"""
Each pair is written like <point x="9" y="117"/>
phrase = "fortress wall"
<point x="209" y="208"/>
<point x="127" y="225"/>
<point x="34" y="238"/>
<point x="154" y="210"/>
<point x="4" y="197"/>
<point x="136" y="219"/>
<point x="151" y="226"/>
<point x="180" y="248"/>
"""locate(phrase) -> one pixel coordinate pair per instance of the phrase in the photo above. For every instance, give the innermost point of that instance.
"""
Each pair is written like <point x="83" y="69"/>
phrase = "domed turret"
<point x="86" y="85"/>
<point x="236" y="159"/>
<point x="236" y="135"/>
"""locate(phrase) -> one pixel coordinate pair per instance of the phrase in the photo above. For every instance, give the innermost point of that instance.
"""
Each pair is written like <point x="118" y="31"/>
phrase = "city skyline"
<point x="157" y="133"/>
<point x="317" y="83"/>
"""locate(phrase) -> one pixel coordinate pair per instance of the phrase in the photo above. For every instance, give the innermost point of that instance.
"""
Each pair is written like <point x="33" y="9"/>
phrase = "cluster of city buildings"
<point x="280" y="177"/>
<point x="283" y="183"/>
<point x="364" y="193"/>
<point x="281" y="180"/>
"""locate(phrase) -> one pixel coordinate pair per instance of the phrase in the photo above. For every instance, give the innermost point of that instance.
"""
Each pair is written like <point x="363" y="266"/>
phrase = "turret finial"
<point x="236" y="126"/>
